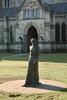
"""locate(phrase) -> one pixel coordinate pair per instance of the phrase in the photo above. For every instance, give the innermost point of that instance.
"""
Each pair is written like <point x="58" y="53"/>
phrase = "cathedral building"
<point x="45" y="20"/>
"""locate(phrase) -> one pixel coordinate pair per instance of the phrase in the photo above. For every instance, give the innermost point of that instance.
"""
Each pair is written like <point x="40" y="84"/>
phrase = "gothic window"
<point x="17" y="3"/>
<point x="37" y="12"/>
<point x="63" y="32"/>
<point x="6" y="3"/>
<point x="2" y="34"/>
<point x="57" y="32"/>
<point x="31" y="13"/>
<point x="12" y="3"/>
<point x="24" y="13"/>
<point x="27" y="13"/>
<point x="11" y="34"/>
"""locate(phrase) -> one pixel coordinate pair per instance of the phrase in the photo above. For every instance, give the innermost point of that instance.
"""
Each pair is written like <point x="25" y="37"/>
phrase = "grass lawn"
<point x="51" y="66"/>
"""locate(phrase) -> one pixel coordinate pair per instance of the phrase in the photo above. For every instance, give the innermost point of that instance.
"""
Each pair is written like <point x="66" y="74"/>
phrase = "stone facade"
<point x="16" y="31"/>
<point x="57" y="1"/>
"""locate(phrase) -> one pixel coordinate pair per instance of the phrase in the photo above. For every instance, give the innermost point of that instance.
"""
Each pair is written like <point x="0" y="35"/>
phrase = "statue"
<point x="32" y="78"/>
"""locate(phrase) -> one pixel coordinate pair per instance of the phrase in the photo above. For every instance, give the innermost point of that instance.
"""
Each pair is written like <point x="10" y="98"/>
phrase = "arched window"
<point x="57" y="32"/>
<point x="30" y="13"/>
<point x="24" y="13"/>
<point x="33" y="13"/>
<point x="6" y="3"/>
<point x="11" y="34"/>
<point x="12" y="3"/>
<point x="27" y="13"/>
<point x="63" y="32"/>
<point x="37" y="12"/>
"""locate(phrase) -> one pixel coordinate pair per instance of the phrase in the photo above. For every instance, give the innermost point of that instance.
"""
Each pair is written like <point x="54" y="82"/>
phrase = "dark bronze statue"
<point x="32" y="78"/>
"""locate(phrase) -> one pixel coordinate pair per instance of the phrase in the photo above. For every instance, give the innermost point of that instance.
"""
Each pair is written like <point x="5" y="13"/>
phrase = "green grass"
<point x="15" y="57"/>
<point x="58" y="57"/>
<point x="51" y="66"/>
<point x="5" y="54"/>
<point x="46" y="96"/>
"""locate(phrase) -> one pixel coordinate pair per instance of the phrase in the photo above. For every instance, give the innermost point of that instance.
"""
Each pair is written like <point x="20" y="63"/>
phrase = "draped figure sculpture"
<point x="32" y="78"/>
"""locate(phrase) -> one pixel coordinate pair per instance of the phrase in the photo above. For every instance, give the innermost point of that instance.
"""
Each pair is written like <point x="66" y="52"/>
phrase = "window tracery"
<point x="31" y="13"/>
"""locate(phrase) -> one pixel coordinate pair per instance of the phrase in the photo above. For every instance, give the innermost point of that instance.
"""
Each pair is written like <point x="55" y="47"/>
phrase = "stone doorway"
<point x="32" y="33"/>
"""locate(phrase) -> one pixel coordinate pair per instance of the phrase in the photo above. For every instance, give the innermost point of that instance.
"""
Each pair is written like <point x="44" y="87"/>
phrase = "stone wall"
<point x="44" y="24"/>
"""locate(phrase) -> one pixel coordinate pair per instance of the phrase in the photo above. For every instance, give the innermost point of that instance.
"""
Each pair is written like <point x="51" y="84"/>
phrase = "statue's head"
<point x="34" y="41"/>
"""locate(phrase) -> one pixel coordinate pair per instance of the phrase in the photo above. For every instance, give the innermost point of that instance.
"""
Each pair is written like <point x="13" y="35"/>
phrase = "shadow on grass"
<point x="49" y="87"/>
<point x="57" y="57"/>
<point x="14" y="95"/>
<point x="52" y="88"/>
<point x="64" y="90"/>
